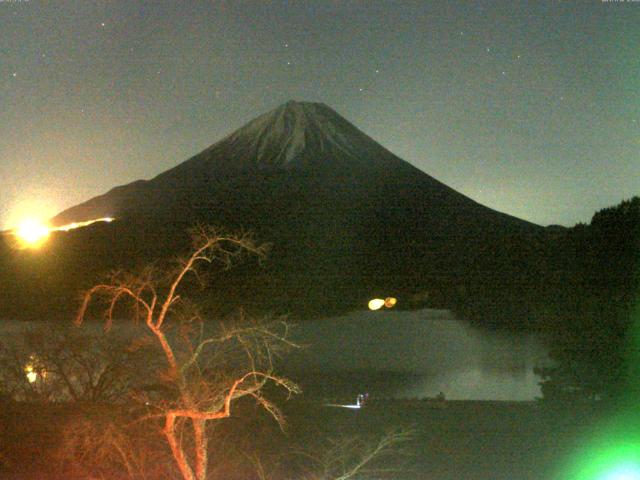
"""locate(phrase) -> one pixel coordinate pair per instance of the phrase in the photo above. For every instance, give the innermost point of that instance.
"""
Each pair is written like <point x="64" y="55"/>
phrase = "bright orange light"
<point x="378" y="303"/>
<point x="32" y="233"/>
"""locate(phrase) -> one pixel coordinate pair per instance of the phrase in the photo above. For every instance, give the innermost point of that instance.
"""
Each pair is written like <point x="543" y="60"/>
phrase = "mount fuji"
<point x="347" y="218"/>
<point x="297" y="145"/>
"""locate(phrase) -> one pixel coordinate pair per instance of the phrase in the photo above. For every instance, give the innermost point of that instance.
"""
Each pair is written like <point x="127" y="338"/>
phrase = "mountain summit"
<point x="297" y="139"/>
<point x="294" y="135"/>
<point x="346" y="217"/>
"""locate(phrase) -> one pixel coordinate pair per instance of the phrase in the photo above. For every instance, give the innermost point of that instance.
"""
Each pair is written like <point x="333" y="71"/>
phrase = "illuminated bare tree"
<point x="354" y="456"/>
<point x="338" y="457"/>
<point x="205" y="372"/>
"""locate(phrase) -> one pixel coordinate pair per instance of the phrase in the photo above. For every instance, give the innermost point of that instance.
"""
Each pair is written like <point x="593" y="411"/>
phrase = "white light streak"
<point x="74" y="225"/>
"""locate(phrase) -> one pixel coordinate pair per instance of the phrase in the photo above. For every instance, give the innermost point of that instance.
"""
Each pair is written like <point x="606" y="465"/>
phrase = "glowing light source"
<point x="32" y="233"/>
<point x="31" y="375"/>
<point x="378" y="303"/>
<point x="34" y="369"/>
<point x="352" y="407"/>
<point x="614" y="455"/>
<point x="71" y="226"/>
<point x="629" y="471"/>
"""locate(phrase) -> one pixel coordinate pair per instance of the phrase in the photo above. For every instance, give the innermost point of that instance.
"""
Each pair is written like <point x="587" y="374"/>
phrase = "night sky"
<point x="531" y="108"/>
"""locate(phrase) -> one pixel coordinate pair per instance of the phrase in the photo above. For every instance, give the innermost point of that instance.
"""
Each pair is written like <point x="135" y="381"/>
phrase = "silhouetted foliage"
<point x="60" y="363"/>
<point x="591" y="331"/>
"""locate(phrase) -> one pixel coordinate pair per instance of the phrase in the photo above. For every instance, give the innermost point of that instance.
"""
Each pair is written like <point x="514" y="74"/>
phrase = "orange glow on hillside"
<point x="71" y="226"/>
<point x="33" y="233"/>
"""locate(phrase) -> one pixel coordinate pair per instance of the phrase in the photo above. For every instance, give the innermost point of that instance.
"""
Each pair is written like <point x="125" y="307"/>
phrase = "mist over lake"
<point x="417" y="354"/>
<point x="401" y="354"/>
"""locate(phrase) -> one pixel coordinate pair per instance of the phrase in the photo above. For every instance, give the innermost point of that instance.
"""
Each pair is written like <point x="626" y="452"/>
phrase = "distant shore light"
<point x="31" y="375"/>
<point x="376" y="304"/>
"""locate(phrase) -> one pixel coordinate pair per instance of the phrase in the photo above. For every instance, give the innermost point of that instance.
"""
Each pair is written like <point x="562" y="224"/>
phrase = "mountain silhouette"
<point x="297" y="145"/>
<point x="347" y="218"/>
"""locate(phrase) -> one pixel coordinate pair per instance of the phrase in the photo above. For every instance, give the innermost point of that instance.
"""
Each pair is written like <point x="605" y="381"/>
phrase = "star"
<point x="518" y="57"/>
<point x="488" y="49"/>
<point x="14" y="74"/>
<point x="288" y="63"/>
<point x="377" y="71"/>
<point x="102" y="24"/>
<point x="286" y="45"/>
<point x="504" y="73"/>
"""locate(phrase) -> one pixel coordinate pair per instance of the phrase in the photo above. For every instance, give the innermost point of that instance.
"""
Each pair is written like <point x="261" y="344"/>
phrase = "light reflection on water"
<point x="431" y="348"/>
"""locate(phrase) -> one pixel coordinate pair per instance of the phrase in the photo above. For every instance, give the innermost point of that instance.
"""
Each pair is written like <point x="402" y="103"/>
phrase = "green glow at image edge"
<point x="613" y="451"/>
<point x="621" y="462"/>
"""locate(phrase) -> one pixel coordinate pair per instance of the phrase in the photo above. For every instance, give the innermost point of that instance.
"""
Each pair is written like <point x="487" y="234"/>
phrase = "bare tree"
<point x="336" y="457"/>
<point x="103" y="442"/>
<point x="351" y="457"/>
<point x="205" y="372"/>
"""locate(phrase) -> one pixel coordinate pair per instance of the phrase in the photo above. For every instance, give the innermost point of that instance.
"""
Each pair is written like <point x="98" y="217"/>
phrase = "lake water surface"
<point x="429" y="350"/>
<point x="413" y="354"/>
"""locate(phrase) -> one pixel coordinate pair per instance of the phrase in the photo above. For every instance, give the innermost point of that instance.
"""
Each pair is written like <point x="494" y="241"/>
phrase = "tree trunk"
<point x="201" y="448"/>
<point x="176" y="449"/>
